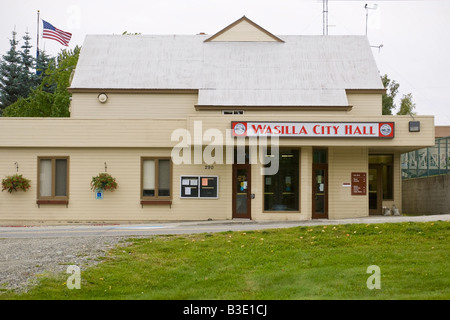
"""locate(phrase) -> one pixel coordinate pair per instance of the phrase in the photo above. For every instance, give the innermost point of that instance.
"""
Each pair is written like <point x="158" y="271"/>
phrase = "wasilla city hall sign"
<point x="314" y="129"/>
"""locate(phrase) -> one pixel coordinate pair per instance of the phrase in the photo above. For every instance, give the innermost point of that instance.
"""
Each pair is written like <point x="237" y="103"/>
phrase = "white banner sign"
<point x="313" y="129"/>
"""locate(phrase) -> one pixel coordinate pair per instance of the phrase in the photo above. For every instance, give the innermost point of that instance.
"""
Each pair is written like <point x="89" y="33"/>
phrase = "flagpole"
<point x="37" y="36"/>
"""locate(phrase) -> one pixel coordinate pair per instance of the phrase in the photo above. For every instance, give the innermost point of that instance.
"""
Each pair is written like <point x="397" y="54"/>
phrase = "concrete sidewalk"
<point x="386" y="219"/>
<point x="366" y="220"/>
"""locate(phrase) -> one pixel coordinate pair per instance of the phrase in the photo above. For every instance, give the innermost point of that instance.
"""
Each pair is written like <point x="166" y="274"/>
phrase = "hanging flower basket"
<point x="15" y="183"/>
<point x="104" y="181"/>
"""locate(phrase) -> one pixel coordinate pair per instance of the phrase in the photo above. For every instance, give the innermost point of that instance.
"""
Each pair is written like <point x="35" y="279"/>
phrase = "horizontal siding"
<point x="17" y="205"/>
<point x="133" y="106"/>
<point x="53" y="132"/>
<point x="166" y="106"/>
<point x="306" y="160"/>
<point x="42" y="132"/>
<point x="121" y="205"/>
<point x="124" y="203"/>
<point x="365" y="104"/>
<point x="243" y="31"/>
<point x="204" y="209"/>
<point x="342" y="162"/>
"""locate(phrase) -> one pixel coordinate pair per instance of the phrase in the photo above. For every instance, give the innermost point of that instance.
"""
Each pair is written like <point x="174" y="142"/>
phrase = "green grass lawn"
<point x="322" y="262"/>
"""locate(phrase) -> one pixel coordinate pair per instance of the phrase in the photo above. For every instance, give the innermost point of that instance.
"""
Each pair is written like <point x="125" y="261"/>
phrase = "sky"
<point x="414" y="34"/>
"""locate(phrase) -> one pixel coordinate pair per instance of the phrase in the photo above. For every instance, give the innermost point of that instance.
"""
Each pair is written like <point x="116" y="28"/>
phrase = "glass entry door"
<point x="320" y="191"/>
<point x="241" y="191"/>
<point x="375" y="189"/>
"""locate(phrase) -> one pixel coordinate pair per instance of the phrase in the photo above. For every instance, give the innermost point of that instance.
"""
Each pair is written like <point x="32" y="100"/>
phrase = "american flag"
<point x="50" y="32"/>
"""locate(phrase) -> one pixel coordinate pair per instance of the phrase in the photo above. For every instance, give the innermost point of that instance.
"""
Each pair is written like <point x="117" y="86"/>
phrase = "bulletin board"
<point x="189" y="187"/>
<point x="209" y="187"/>
<point x="199" y="187"/>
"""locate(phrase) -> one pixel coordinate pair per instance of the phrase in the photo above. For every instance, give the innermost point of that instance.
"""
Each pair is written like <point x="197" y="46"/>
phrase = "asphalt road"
<point x="158" y="228"/>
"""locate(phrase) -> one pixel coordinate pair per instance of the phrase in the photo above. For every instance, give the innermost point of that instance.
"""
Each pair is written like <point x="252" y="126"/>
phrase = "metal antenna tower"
<point x="325" y="17"/>
<point x="375" y="6"/>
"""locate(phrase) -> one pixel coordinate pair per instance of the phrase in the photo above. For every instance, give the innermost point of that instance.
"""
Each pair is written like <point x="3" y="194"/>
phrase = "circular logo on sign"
<point x="239" y="129"/>
<point x="385" y="130"/>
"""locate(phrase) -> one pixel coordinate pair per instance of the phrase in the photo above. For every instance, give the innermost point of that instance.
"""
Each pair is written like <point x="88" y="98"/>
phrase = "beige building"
<point x="239" y="124"/>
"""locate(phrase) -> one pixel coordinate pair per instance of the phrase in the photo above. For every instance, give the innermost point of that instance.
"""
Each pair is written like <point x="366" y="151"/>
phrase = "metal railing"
<point x="426" y="162"/>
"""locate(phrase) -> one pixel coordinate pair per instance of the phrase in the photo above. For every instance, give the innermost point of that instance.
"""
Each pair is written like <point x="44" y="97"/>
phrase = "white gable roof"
<point x="302" y="71"/>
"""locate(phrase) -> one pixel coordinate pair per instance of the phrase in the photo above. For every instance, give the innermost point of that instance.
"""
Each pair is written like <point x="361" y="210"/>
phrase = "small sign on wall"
<point x="359" y="183"/>
<point x="99" y="194"/>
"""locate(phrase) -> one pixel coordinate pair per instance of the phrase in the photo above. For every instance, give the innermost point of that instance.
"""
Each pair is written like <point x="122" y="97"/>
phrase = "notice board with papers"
<point x="199" y="187"/>
<point x="189" y="187"/>
<point x="209" y="187"/>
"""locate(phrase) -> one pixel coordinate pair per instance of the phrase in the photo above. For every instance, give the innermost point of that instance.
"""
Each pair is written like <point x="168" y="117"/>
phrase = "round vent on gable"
<point x="102" y="97"/>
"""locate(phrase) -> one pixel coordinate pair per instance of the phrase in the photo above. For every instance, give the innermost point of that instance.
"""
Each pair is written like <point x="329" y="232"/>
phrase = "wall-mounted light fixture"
<point x="414" y="126"/>
<point x="102" y="97"/>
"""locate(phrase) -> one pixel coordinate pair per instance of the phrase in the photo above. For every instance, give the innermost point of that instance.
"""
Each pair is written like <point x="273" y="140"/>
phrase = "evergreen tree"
<point x="42" y="64"/>
<point x="17" y="75"/>
<point x="21" y="73"/>
<point x="28" y="79"/>
<point x="51" y="98"/>
<point x="10" y="75"/>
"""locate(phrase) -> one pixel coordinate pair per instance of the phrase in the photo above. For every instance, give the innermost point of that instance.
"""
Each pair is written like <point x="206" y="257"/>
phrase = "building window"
<point x="53" y="178"/>
<point x="156" y="178"/>
<point x="282" y="190"/>
<point x="386" y="166"/>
